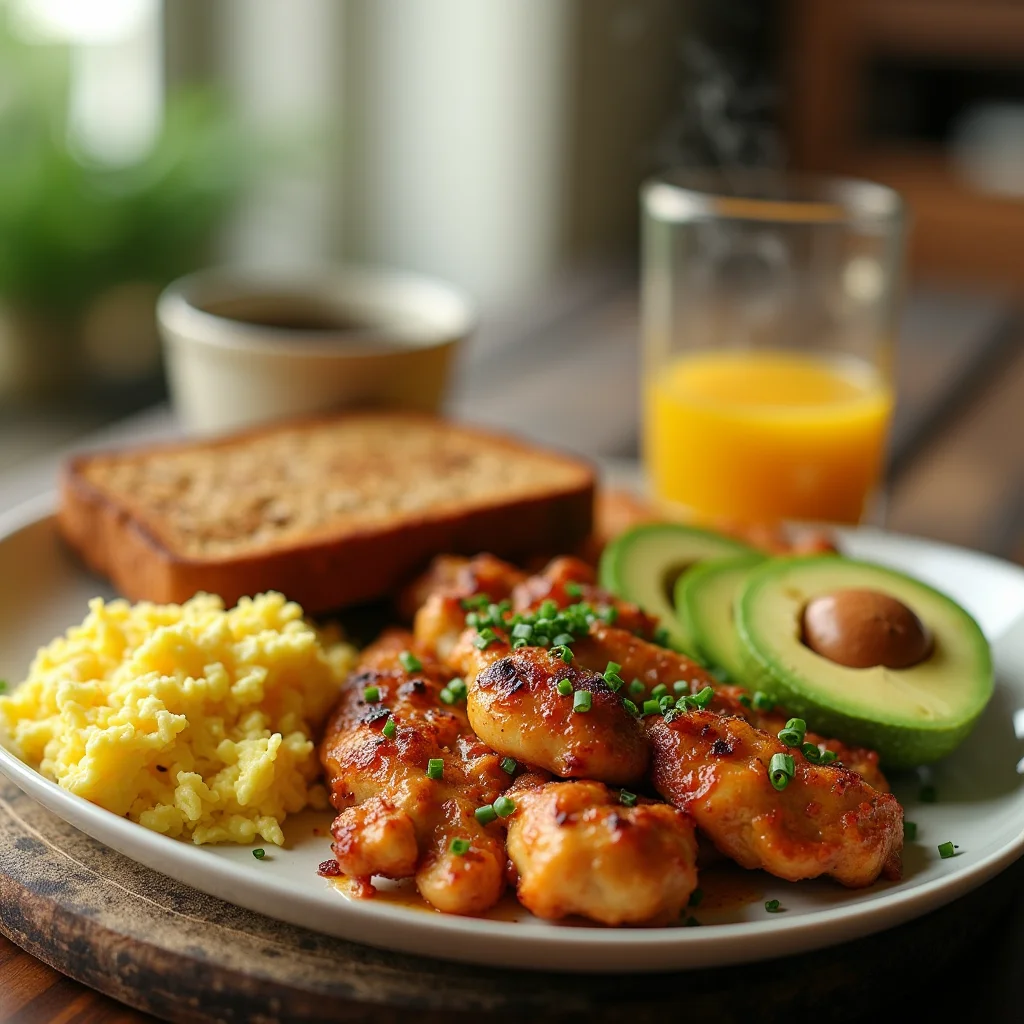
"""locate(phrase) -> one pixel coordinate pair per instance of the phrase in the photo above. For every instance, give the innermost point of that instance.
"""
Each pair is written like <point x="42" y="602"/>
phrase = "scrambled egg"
<point x="190" y="719"/>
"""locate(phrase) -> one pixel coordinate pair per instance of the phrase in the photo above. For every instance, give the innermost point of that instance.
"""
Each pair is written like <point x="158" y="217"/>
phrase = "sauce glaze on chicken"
<point x="575" y="846"/>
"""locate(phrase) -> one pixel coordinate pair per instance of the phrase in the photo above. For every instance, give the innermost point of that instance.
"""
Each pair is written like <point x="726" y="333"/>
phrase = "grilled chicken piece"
<point x="578" y="850"/>
<point x="456" y="577"/>
<point x="826" y="821"/>
<point x="514" y="706"/>
<point x="567" y="580"/>
<point x="654" y="665"/>
<point x="395" y="821"/>
<point x="441" y="616"/>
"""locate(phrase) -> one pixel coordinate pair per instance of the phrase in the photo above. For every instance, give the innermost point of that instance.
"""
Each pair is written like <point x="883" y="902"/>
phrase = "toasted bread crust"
<point x="325" y="572"/>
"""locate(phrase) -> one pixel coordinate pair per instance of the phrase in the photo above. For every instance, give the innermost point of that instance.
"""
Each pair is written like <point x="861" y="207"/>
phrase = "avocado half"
<point x="911" y="716"/>
<point x="705" y="604"/>
<point x="642" y="565"/>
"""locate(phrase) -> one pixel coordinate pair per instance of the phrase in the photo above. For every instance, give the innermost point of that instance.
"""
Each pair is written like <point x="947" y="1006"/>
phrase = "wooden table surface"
<point x="962" y="481"/>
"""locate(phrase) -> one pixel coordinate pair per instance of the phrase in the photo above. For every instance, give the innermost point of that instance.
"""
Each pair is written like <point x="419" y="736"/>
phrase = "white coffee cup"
<point x="243" y="347"/>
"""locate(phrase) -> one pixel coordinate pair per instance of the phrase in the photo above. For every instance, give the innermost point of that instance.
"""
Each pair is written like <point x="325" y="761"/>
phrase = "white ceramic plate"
<point x="980" y="806"/>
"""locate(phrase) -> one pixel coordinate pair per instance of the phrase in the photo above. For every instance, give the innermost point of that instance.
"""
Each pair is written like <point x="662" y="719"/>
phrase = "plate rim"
<point x="534" y="944"/>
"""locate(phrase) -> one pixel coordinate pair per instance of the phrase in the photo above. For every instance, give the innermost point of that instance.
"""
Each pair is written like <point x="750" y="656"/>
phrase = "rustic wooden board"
<point x="174" y="952"/>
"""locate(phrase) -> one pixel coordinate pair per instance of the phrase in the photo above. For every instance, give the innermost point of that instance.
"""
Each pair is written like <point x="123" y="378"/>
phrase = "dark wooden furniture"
<point x="837" y="90"/>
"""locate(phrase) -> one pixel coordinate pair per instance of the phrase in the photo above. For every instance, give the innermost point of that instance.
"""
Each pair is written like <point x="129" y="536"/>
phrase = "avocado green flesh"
<point x="642" y="565"/>
<point x="911" y="716"/>
<point x="705" y="601"/>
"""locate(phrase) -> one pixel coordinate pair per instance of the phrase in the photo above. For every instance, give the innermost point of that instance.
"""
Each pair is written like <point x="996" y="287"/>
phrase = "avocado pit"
<point x="862" y="628"/>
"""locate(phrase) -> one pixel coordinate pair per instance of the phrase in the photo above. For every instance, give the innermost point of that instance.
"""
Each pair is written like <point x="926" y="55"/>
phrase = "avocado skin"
<point x="898" y="746"/>
<point x="700" y="544"/>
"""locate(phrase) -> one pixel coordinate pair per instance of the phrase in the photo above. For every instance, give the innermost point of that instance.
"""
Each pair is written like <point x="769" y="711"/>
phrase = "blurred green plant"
<point x="69" y="227"/>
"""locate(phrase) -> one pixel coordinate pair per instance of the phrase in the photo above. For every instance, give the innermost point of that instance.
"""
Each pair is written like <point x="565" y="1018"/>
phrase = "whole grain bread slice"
<point x="331" y="512"/>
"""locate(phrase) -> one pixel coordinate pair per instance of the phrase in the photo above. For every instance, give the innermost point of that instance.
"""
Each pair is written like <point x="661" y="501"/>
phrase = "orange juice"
<point x="767" y="435"/>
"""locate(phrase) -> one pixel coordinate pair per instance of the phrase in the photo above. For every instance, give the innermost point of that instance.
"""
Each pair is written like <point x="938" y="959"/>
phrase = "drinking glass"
<point x="768" y="320"/>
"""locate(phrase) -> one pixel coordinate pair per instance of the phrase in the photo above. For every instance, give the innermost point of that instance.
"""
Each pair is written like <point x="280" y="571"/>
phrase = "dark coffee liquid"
<point x="288" y="313"/>
<point x="299" y="320"/>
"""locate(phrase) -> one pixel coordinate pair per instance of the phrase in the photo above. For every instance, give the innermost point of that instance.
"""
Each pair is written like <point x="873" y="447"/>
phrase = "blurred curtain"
<point x="492" y="142"/>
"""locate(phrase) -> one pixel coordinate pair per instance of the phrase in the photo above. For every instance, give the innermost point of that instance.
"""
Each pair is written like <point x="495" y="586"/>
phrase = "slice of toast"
<point x="331" y="512"/>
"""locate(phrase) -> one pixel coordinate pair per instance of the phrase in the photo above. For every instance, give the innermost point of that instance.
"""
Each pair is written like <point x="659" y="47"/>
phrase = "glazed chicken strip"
<point x="566" y="580"/>
<point x="654" y="665"/>
<point x="826" y="821"/>
<point x="515" y="706"/>
<point x="576" y="849"/>
<point x="395" y="820"/>
<point x="452" y="577"/>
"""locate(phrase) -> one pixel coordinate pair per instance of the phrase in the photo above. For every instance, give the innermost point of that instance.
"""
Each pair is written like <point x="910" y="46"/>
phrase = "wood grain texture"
<point x="164" y="948"/>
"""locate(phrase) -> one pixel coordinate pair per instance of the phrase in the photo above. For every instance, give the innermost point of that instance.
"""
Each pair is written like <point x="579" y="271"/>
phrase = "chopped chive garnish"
<point x="828" y="756"/>
<point x="626" y="798"/>
<point x="573" y="589"/>
<point x="459" y="846"/>
<point x="680" y="686"/>
<point x="793" y="732"/>
<point x="561" y="651"/>
<point x="484" y="639"/>
<point x="910" y="831"/>
<point x="762" y="702"/>
<point x="780" y="770"/>
<point x="637" y="689"/>
<point x="519" y="642"/>
<point x="564" y="687"/>
<point x="947" y="850"/>
<point x="476" y="601"/>
<point x="652" y="707"/>
<point x="410" y="662"/>
<point x="744" y="699"/>
<point x="458" y="688"/>
<point x="259" y="853"/>
<point x="772" y="906"/>
<point x="390" y="726"/>
<point x="928" y="795"/>
<point x="630" y="706"/>
<point x="666" y="703"/>
<point x="610" y="615"/>
<point x="581" y="701"/>
<point x="508" y="765"/>
<point x="371" y="694"/>
<point x="612" y="677"/>
<point x="562" y="639"/>
<point x="435" y="768"/>
<point x="661" y="637"/>
<point x="548" y="609"/>
<point x="811" y="751"/>
<point x="540" y="640"/>
<point x="485" y="815"/>
<point x="522" y="631"/>
<point x="695" y="897"/>
<point x="504" y="806"/>
<point x="659" y="691"/>
<point x="704" y="697"/>
<point x="447" y="696"/>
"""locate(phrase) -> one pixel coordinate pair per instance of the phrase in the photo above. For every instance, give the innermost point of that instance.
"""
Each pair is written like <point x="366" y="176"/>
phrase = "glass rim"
<point x="682" y="195"/>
